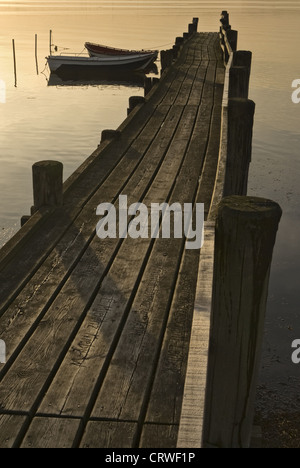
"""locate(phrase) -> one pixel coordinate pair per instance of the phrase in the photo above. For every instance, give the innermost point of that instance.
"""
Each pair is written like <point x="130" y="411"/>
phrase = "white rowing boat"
<point x="128" y="62"/>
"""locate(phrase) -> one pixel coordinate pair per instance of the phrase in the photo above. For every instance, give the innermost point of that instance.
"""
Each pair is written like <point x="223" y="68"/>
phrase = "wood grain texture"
<point x="108" y="434"/>
<point x="245" y="235"/>
<point x="193" y="406"/>
<point x="97" y="331"/>
<point x="10" y="427"/>
<point x="159" y="436"/>
<point x="51" y="433"/>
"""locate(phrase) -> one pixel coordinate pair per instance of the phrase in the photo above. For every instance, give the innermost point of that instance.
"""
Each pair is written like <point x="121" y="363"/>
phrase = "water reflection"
<point x="83" y="76"/>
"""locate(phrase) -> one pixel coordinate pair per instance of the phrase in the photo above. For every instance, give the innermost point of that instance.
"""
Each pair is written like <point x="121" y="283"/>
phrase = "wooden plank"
<point x="64" y="375"/>
<point x="159" y="436"/>
<point x="165" y="400"/>
<point x="211" y="161"/>
<point x="197" y="88"/>
<point x="51" y="433"/>
<point x="67" y="311"/>
<point x="128" y="376"/>
<point x="130" y="373"/>
<point x="183" y="68"/>
<point x="112" y="300"/>
<point x="185" y="90"/>
<point x="50" y="278"/>
<point x="191" y="422"/>
<point x="10" y="427"/>
<point x="109" y="434"/>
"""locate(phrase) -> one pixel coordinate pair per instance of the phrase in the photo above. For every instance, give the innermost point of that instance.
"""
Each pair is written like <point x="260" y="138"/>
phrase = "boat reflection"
<point x="85" y="77"/>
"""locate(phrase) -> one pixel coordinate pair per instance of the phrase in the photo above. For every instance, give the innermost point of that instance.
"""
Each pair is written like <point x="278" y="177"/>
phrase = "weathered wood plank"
<point x="49" y="279"/>
<point x="109" y="434"/>
<point x="191" y="422"/>
<point x="159" y="436"/>
<point x="67" y="310"/>
<point x="128" y="377"/>
<point x="161" y="407"/>
<point x="51" y="433"/>
<point x="211" y="161"/>
<point x="10" y="427"/>
<point x="197" y="87"/>
<point x="166" y="395"/>
<point x="115" y="290"/>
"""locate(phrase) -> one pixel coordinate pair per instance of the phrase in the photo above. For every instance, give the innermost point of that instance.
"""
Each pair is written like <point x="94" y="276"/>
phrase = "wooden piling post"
<point x="240" y="74"/>
<point x="242" y="58"/>
<point x="177" y="45"/>
<point x="195" y="22"/>
<point x="36" y="54"/>
<point x="245" y="235"/>
<point x="47" y="179"/>
<point x="166" y="58"/>
<point x="15" y="62"/>
<point x="134" y="101"/>
<point x="50" y="41"/>
<point x="109" y="134"/>
<point x="147" y="85"/>
<point x="191" y="29"/>
<point x="224" y="18"/>
<point x="163" y="59"/>
<point x="238" y="82"/>
<point x="239" y="145"/>
<point x="232" y="36"/>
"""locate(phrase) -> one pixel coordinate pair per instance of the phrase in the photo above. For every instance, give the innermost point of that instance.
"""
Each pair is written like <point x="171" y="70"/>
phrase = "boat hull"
<point x="132" y="62"/>
<point x="97" y="50"/>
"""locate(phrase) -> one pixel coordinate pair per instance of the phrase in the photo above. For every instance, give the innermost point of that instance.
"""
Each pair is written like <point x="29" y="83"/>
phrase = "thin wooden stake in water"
<point x="50" y="41"/>
<point x="15" y="64"/>
<point x="36" y="57"/>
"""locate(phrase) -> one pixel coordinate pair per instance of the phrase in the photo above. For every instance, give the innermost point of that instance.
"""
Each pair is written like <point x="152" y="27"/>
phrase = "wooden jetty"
<point x="107" y="339"/>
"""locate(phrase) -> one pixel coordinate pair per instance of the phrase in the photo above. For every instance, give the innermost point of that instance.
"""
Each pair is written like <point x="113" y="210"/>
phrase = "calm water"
<point x="39" y="121"/>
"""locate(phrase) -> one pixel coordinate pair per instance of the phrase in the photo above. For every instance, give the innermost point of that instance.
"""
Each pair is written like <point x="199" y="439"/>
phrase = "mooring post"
<point x="36" y="54"/>
<point x="195" y="22"/>
<point x="109" y="135"/>
<point x="238" y="82"/>
<point x="47" y="179"/>
<point x="232" y="36"/>
<point x="134" y="101"/>
<point x="166" y="58"/>
<point x="147" y="85"/>
<point x="239" y="145"/>
<point x="239" y="74"/>
<point x="225" y="18"/>
<point x="176" y="47"/>
<point x="191" y="29"/>
<point x="50" y="42"/>
<point x="245" y="235"/>
<point x="15" y="62"/>
<point x="242" y="58"/>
